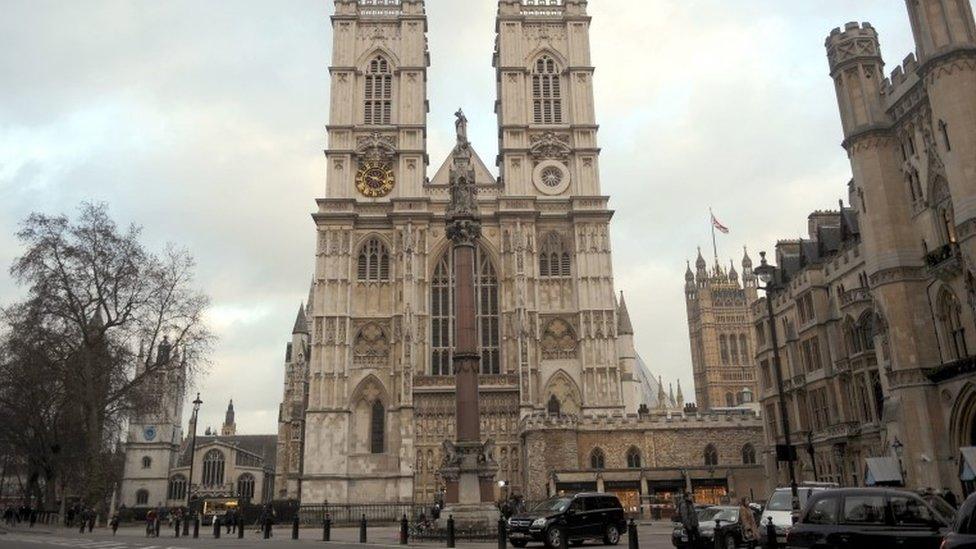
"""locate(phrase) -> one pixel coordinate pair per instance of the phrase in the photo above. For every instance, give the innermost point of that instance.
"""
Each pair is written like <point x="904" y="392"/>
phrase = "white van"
<point x="779" y="507"/>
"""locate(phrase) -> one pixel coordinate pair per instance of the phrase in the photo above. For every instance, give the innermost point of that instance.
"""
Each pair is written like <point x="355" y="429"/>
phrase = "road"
<point x="652" y="536"/>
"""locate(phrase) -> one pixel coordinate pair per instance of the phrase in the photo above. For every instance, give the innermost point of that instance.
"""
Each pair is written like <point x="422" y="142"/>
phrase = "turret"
<point x="681" y="397"/>
<point x="689" y="281"/>
<point x="230" y="427"/>
<point x="627" y="356"/>
<point x="857" y="69"/>
<point x="940" y="26"/>
<point x="749" y="283"/>
<point x="701" y="269"/>
<point x="733" y="275"/>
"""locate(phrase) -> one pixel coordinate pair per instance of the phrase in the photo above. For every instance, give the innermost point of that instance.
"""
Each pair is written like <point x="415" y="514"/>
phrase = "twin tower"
<point x="369" y="396"/>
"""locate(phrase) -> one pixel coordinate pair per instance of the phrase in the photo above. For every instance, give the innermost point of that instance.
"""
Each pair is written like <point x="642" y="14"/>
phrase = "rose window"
<point x="551" y="176"/>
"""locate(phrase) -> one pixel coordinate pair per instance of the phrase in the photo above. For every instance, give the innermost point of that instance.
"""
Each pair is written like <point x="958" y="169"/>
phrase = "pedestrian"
<point x="114" y="523"/>
<point x="750" y="530"/>
<point x="228" y="519"/>
<point x="689" y="518"/>
<point x="150" y="522"/>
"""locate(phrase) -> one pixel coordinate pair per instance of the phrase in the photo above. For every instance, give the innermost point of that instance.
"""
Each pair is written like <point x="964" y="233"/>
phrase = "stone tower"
<point x="229" y="428"/>
<point x="722" y="339"/>
<point x="291" y="411"/>
<point x="381" y="318"/>
<point x="154" y="437"/>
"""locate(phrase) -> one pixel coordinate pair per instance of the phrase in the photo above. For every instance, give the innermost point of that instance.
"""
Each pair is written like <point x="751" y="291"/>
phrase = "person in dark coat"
<point x="689" y="518"/>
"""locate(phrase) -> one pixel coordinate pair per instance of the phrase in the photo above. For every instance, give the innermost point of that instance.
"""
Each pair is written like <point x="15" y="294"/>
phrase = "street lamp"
<point x="193" y="449"/>
<point x="767" y="274"/>
<point x="899" y="449"/>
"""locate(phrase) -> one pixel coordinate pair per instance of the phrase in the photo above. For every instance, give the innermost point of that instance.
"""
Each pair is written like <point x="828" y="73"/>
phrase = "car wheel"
<point x="612" y="535"/>
<point x="554" y="538"/>
<point x="517" y="542"/>
<point x="730" y="542"/>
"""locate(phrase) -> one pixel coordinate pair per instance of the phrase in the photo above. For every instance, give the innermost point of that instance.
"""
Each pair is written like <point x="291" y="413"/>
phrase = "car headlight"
<point x="510" y="522"/>
<point x="539" y="522"/>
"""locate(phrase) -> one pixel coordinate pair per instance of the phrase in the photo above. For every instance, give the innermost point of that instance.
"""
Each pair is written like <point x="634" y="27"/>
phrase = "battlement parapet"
<point x="903" y="78"/>
<point x="858" y="41"/>
<point x="541" y="421"/>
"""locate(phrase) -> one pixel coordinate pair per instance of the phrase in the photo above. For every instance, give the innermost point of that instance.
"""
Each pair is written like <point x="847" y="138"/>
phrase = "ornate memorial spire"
<point x="462" y="210"/>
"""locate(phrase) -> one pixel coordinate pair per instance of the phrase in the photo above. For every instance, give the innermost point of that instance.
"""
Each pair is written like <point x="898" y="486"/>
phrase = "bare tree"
<point x="106" y="319"/>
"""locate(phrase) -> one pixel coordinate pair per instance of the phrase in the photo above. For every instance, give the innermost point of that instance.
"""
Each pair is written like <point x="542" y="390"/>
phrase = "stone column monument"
<point x="469" y="467"/>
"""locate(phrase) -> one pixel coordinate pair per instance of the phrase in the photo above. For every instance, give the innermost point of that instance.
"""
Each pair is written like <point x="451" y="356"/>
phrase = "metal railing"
<point x="375" y="513"/>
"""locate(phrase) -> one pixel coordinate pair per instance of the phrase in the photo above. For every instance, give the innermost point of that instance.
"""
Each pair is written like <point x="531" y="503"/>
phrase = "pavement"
<point x="651" y="535"/>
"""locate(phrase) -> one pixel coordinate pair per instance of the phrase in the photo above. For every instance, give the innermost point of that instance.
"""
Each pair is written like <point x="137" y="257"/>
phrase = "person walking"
<point x="689" y="518"/>
<point x="114" y="523"/>
<point x="750" y="530"/>
<point x="150" y="522"/>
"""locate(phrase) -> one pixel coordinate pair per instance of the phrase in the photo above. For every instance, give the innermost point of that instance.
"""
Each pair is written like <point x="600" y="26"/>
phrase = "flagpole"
<point x="711" y="221"/>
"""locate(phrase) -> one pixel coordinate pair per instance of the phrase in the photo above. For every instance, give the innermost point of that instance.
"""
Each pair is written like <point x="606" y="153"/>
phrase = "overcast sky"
<point x="204" y="122"/>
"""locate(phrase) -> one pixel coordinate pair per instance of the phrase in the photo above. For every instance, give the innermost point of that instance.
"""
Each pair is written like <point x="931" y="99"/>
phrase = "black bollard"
<point x="267" y="528"/>
<point x="502" y="534"/>
<point x="718" y="540"/>
<point x="404" y="532"/>
<point x="771" y="542"/>
<point x="294" y="527"/>
<point x="82" y="531"/>
<point x="563" y="538"/>
<point x="450" y="530"/>
<point x="196" y="526"/>
<point x="632" y="542"/>
<point x="362" y="529"/>
<point x="240" y="525"/>
<point x="327" y="528"/>
<point x="186" y="526"/>
<point x="216" y="527"/>
<point x="177" y="528"/>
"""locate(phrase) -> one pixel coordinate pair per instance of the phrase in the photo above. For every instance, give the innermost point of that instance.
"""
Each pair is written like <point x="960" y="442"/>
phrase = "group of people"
<point x="13" y="516"/>
<point x="688" y="514"/>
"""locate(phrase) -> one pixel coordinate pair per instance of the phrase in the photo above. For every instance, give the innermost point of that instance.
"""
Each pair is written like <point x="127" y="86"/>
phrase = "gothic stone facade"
<point x="895" y="308"/>
<point x="721" y="334"/>
<point x="369" y="392"/>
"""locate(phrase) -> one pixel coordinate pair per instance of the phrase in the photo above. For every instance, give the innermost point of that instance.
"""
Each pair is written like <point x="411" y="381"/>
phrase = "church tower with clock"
<point x="155" y="435"/>
<point x="380" y="399"/>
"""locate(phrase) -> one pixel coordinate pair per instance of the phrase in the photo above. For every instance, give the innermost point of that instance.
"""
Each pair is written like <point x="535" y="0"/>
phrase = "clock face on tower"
<point x="149" y="433"/>
<point x="375" y="179"/>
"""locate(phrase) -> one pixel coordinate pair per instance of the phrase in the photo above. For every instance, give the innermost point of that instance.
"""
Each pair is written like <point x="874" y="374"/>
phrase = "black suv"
<point x="868" y="517"/>
<point x="580" y="517"/>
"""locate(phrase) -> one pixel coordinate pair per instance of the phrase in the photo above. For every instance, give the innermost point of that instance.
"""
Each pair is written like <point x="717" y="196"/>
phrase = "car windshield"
<point x="942" y="507"/>
<point x="726" y="515"/>
<point x="707" y="514"/>
<point x="782" y="500"/>
<point x="553" y="504"/>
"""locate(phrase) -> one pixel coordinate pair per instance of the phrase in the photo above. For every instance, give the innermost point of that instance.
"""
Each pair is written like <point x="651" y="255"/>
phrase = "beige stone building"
<point x="369" y="392"/>
<point x="877" y="309"/>
<point x="721" y="334"/>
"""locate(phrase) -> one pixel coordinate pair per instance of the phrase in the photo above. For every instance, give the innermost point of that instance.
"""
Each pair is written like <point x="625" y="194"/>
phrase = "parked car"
<point x="963" y="532"/>
<point x="585" y="516"/>
<point x="779" y="508"/>
<point x="868" y="517"/>
<point x="730" y="529"/>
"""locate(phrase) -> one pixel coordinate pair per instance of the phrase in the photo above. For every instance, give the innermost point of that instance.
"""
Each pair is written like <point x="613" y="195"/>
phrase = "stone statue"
<point x="462" y="127"/>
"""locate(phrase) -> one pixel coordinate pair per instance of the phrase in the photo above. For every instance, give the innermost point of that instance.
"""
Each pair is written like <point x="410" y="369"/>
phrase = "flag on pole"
<point x="718" y="225"/>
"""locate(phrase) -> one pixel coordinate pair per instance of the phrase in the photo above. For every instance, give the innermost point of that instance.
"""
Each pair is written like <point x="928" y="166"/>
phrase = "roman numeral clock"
<point x="375" y="178"/>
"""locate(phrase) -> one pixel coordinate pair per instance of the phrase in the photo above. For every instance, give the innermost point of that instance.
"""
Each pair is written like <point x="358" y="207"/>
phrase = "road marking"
<point x="83" y="543"/>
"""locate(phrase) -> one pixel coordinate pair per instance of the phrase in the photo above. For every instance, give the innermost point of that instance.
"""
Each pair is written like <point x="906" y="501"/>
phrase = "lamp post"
<point x="767" y="274"/>
<point x="193" y="448"/>
<point x="899" y="449"/>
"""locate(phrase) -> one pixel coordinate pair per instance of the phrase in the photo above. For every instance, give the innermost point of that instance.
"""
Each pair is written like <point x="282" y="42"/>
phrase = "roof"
<point x="301" y="323"/>
<point x="265" y="446"/>
<point x="482" y="176"/>
<point x="882" y="470"/>
<point x="624" y="327"/>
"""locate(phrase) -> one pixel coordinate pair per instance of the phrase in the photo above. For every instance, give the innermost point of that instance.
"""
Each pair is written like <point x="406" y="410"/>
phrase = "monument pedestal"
<point x="469" y="480"/>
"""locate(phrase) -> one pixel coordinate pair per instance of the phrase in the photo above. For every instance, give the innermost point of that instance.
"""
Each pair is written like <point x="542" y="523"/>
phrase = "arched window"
<point x="146" y="462"/>
<point x="442" y="315"/>
<point x="547" y="103"/>
<point x="377" y="428"/>
<point x="597" y="459"/>
<point x="748" y="455"/>
<point x="633" y="458"/>
<point x="734" y="349"/>
<point x="379" y="93"/>
<point x="177" y="487"/>
<point x="724" y="348"/>
<point x="213" y="468"/>
<point x="142" y="497"/>
<point x="711" y="455"/>
<point x="553" y="407"/>
<point x="374" y="262"/>
<point x="950" y="316"/>
<point x="729" y="400"/>
<point x="744" y="349"/>
<point x="245" y="486"/>
<point x="554" y="259"/>
<point x="865" y="331"/>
